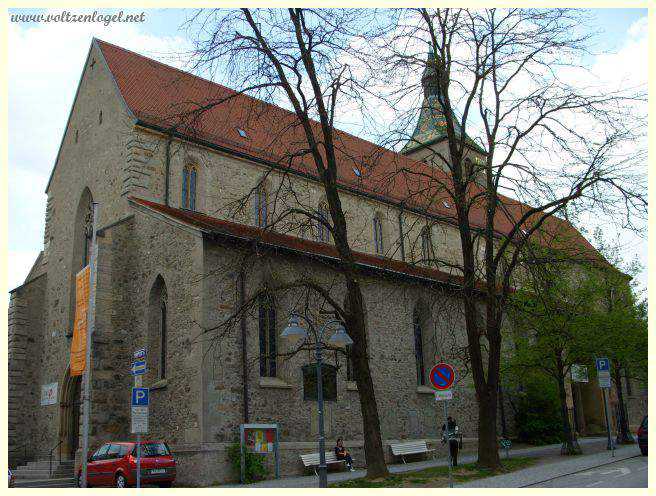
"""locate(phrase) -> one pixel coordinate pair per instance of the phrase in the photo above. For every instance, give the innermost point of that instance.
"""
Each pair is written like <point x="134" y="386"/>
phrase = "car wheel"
<point x="644" y="450"/>
<point x="121" y="481"/>
<point x="78" y="480"/>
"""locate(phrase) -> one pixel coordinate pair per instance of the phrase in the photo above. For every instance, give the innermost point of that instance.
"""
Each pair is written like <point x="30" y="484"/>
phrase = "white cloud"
<point x="45" y="63"/>
<point x="20" y="263"/>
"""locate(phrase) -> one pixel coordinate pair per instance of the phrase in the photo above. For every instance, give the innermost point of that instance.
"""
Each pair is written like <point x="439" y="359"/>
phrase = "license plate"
<point x="158" y="471"/>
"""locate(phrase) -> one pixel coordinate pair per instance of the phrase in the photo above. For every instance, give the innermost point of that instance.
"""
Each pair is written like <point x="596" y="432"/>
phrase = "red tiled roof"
<point x="163" y="96"/>
<point x="285" y="241"/>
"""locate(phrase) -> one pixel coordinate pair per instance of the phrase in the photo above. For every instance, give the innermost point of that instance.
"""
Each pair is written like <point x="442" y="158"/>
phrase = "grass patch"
<point x="439" y="476"/>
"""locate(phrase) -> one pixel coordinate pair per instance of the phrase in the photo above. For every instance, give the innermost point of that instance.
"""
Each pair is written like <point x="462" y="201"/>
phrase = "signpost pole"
<point x="610" y="444"/>
<point x="448" y="439"/>
<point x="441" y="378"/>
<point x="603" y="375"/>
<point x="138" y="460"/>
<point x="137" y="383"/>
<point x="140" y="402"/>
<point x="86" y="380"/>
<point x="277" y="448"/>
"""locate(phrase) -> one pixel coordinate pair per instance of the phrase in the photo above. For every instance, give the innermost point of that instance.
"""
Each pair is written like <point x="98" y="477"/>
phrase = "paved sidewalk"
<point x="538" y="451"/>
<point x="541" y="473"/>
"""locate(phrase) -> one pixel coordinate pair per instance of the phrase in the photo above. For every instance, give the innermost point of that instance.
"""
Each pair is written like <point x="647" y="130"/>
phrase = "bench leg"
<point x="403" y="458"/>
<point x="315" y="472"/>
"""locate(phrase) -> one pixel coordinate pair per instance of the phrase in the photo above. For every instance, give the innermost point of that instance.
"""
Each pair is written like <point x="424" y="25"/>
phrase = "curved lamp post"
<point x="294" y="333"/>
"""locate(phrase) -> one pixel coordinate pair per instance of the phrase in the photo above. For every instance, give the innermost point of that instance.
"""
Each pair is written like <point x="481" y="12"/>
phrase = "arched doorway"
<point x="69" y="426"/>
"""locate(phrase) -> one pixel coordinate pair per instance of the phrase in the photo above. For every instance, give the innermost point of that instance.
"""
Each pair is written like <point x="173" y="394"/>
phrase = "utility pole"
<point x="91" y="316"/>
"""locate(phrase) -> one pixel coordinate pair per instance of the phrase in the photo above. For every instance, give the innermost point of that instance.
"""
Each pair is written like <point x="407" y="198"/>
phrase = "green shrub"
<point x="537" y="414"/>
<point x="255" y="469"/>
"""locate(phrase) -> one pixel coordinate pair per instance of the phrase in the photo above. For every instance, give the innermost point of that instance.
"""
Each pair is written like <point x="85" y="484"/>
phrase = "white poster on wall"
<point x="49" y="394"/>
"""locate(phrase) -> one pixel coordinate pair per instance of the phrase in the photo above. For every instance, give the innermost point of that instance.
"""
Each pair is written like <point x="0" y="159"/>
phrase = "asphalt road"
<point x="631" y="472"/>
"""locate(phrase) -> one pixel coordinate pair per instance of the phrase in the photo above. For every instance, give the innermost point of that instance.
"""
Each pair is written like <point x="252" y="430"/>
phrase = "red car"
<point x="115" y="464"/>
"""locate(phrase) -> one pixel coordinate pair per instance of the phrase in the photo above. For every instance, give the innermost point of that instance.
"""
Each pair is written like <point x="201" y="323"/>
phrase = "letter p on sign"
<point x="140" y="396"/>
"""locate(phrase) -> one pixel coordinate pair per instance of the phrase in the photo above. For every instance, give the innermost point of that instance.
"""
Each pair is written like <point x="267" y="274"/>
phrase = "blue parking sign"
<point x="140" y="396"/>
<point x="603" y="364"/>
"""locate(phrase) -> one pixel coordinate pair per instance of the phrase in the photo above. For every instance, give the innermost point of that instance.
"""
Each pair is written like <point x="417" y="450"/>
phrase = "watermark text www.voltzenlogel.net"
<point x="68" y="17"/>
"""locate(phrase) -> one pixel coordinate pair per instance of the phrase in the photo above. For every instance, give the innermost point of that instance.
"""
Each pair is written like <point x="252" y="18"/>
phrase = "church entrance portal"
<point x="69" y="428"/>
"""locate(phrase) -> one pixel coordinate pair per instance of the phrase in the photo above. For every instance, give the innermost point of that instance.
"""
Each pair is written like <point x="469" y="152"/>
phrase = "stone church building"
<point x="182" y="245"/>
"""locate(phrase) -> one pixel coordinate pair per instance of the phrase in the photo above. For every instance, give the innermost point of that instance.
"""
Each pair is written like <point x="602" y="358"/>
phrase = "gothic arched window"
<point x="350" y="369"/>
<point x="323" y="233"/>
<point x="426" y="244"/>
<point x="157" y="327"/>
<point x="378" y="234"/>
<point x="267" y="334"/>
<point x="261" y="207"/>
<point x="419" y="346"/>
<point x="189" y="180"/>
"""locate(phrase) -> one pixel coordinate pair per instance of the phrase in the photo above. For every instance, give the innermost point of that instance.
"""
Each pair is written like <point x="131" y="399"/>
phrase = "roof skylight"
<point x="241" y="132"/>
<point x="357" y="172"/>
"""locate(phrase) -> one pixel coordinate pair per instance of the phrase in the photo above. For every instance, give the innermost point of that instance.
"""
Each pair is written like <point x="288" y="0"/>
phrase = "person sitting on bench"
<point x="342" y="454"/>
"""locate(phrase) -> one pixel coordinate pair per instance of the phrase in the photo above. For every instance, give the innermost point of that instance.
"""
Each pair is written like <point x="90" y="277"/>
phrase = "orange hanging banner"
<point x="79" y="342"/>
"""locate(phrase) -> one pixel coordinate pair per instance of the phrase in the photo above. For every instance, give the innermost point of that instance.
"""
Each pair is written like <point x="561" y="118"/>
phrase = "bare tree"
<point x="560" y="146"/>
<point x="301" y="59"/>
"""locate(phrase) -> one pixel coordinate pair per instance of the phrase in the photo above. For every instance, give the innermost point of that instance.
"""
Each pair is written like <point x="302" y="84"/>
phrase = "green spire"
<point x="431" y="125"/>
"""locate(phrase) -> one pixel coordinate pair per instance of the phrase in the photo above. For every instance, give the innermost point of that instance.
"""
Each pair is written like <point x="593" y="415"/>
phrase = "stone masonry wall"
<point x="91" y="156"/>
<point x="25" y="333"/>
<point x="407" y="411"/>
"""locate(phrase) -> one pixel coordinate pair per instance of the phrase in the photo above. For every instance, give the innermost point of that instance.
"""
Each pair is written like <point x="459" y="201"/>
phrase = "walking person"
<point x="342" y="454"/>
<point x="450" y="433"/>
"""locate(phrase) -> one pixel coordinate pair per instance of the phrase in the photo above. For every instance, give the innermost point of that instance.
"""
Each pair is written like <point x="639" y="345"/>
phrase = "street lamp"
<point x="294" y="333"/>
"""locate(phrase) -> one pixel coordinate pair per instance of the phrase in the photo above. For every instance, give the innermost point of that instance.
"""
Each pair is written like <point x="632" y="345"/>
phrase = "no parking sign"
<point x="442" y="376"/>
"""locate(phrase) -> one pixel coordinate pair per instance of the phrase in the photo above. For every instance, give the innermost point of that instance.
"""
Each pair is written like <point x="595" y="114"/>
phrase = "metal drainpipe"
<point x="167" y="168"/>
<point x="401" y="240"/>
<point x="242" y="322"/>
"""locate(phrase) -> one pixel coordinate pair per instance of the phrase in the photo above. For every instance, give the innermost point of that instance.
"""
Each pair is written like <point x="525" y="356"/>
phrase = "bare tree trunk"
<point x="488" y="452"/>
<point x="623" y="436"/>
<point x="571" y="444"/>
<point x="374" y="453"/>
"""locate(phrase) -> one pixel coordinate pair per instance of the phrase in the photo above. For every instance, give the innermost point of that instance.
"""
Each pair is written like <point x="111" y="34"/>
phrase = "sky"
<point x="45" y="64"/>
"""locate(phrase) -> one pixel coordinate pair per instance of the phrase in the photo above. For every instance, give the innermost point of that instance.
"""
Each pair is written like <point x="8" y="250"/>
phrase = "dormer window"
<point x="241" y="132"/>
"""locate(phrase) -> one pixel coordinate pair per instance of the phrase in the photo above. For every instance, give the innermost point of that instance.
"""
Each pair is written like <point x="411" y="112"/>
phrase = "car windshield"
<point x="153" y="449"/>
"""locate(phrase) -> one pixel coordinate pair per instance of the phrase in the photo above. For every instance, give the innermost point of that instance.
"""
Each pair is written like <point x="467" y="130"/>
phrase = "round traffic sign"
<point x="442" y="376"/>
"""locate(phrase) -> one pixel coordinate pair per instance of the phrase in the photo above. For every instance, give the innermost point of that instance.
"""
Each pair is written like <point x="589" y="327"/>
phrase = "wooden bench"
<point x="410" y="448"/>
<point x="312" y="460"/>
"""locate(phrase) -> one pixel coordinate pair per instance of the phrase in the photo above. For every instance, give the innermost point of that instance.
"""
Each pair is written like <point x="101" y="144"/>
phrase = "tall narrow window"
<point x="192" y="189"/>
<point x="350" y="372"/>
<point x="267" y="330"/>
<point x="261" y="210"/>
<point x="323" y="233"/>
<point x="162" y="339"/>
<point x="88" y="236"/>
<point x="378" y="234"/>
<point x="157" y="329"/>
<point x="419" y="348"/>
<point x="189" y="178"/>
<point x="426" y="244"/>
